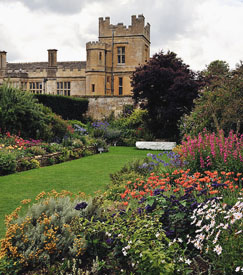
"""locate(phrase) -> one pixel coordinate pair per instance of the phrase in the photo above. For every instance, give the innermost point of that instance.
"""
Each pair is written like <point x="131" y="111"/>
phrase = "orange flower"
<point x="133" y="194"/>
<point x="213" y="192"/>
<point x="123" y="196"/>
<point x="125" y="203"/>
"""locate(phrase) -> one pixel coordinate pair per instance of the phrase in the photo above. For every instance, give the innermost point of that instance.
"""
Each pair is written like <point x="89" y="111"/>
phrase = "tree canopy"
<point x="220" y="104"/>
<point x="166" y="87"/>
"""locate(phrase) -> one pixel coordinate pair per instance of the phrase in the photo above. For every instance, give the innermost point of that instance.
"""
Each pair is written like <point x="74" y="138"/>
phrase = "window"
<point x="35" y="87"/>
<point x="93" y="88"/>
<point x="100" y="56"/>
<point x="108" y="79"/>
<point x="120" y="85"/>
<point x="24" y="85"/>
<point x="121" y="55"/>
<point x="64" y="88"/>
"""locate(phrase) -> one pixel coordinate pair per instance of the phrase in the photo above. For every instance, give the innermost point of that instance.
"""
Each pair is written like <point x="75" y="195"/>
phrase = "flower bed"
<point x="173" y="221"/>
<point x="17" y="154"/>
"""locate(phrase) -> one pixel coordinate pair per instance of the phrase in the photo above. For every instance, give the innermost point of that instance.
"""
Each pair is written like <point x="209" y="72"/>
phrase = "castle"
<point x="106" y="72"/>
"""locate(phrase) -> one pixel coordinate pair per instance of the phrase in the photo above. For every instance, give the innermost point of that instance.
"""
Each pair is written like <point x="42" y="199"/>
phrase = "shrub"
<point x="8" y="162"/>
<point x="20" y="112"/>
<point x="132" y="127"/>
<point x="128" y="242"/>
<point x="66" y="107"/>
<point x="43" y="235"/>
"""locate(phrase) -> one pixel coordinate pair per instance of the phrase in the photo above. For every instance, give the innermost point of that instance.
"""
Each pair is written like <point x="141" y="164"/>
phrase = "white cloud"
<point x="198" y="31"/>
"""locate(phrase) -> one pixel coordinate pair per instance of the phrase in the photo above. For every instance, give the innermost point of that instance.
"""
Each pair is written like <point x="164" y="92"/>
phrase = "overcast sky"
<point x="198" y="31"/>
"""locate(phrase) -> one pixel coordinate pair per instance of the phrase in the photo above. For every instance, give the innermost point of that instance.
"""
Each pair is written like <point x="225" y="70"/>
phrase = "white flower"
<point x="218" y="249"/>
<point x="199" y="223"/>
<point x="226" y="226"/>
<point x="198" y="245"/>
<point x="237" y="215"/>
<point x="188" y="261"/>
<point x="238" y="232"/>
<point x="157" y="235"/>
<point x="237" y="269"/>
<point x="127" y="247"/>
<point x="201" y="237"/>
<point x="179" y="240"/>
<point x="124" y="252"/>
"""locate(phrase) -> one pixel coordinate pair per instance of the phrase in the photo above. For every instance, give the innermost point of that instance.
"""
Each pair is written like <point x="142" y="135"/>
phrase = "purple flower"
<point x="157" y="192"/>
<point x="81" y="205"/>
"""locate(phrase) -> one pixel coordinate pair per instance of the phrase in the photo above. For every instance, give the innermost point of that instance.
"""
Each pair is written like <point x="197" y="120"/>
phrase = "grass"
<point x="87" y="175"/>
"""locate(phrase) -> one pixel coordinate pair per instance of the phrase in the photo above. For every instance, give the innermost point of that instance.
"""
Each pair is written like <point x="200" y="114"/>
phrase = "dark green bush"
<point x="66" y="107"/>
<point x="20" y="113"/>
<point x="8" y="163"/>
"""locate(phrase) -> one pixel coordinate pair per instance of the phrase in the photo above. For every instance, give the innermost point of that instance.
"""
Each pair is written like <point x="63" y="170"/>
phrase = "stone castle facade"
<point x="106" y="72"/>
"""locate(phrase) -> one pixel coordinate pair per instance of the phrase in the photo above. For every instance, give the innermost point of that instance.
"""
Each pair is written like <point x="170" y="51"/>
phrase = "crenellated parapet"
<point x="136" y="28"/>
<point x="96" y="45"/>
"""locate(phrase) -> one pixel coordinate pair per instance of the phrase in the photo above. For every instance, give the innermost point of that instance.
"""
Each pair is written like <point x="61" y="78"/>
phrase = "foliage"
<point x="44" y="235"/>
<point x="20" y="113"/>
<point x="132" y="127"/>
<point x="66" y="107"/>
<point x="128" y="241"/>
<point x="219" y="105"/>
<point x="213" y="152"/>
<point x="8" y="163"/>
<point x="166" y="88"/>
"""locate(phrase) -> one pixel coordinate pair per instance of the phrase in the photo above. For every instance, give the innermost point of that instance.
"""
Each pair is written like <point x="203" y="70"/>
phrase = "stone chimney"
<point x="52" y="58"/>
<point x="3" y="63"/>
<point x="52" y="63"/>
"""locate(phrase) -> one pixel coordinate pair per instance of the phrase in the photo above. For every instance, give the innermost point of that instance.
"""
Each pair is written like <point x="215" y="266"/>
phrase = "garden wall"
<point x="102" y="106"/>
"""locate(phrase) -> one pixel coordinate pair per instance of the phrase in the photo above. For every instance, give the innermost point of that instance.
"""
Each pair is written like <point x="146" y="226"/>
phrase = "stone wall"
<point x="101" y="107"/>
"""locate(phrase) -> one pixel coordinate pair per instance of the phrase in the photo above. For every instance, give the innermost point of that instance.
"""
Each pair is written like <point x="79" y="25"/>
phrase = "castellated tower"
<point x="111" y="60"/>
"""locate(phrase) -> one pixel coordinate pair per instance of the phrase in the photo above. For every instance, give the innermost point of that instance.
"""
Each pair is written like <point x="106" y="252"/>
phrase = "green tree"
<point x="220" y="104"/>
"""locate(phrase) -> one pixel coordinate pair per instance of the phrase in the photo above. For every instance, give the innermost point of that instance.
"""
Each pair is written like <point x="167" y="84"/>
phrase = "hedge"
<point x="67" y="107"/>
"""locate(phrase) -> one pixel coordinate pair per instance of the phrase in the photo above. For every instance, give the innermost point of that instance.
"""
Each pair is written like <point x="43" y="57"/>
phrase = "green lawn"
<point x="87" y="175"/>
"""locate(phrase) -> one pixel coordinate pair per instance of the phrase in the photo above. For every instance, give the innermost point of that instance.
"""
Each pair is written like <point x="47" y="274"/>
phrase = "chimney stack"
<point x="3" y="60"/>
<point x="52" y="58"/>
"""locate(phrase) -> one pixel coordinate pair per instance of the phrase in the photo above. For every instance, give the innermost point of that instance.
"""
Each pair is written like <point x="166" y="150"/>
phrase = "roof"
<point x="25" y="67"/>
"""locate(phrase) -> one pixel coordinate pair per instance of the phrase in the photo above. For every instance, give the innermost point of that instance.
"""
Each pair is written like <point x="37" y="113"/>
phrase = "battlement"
<point x="95" y="45"/>
<point x="136" y="28"/>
